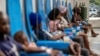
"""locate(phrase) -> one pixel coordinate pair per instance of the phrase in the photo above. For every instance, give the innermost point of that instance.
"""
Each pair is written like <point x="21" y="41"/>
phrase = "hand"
<point x="53" y="52"/>
<point x="70" y="25"/>
<point x="43" y="47"/>
<point x="63" y="34"/>
<point x="2" y="54"/>
<point x="32" y="44"/>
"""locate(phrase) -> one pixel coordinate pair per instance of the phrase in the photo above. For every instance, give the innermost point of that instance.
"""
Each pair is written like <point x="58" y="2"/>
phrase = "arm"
<point x="70" y="25"/>
<point x="57" y="37"/>
<point x="2" y="54"/>
<point x="51" y="26"/>
<point x="54" y="37"/>
<point x="40" y="49"/>
<point x="65" y="22"/>
<point x="62" y="23"/>
<point x="75" y="19"/>
<point x="27" y="48"/>
<point x="32" y="49"/>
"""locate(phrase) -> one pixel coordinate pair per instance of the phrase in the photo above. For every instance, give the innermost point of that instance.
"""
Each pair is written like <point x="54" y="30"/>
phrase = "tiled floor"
<point x="95" y="42"/>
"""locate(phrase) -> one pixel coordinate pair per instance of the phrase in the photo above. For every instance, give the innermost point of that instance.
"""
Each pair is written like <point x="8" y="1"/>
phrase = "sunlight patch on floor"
<point x="94" y="18"/>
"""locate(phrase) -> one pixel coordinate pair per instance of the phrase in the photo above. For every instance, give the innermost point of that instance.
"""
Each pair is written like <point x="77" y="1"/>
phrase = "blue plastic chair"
<point x="76" y="28"/>
<point x="16" y="23"/>
<point x="14" y="13"/>
<point x="67" y="30"/>
<point x="70" y="13"/>
<point x="52" y="44"/>
<point x="70" y="30"/>
<point x="41" y="12"/>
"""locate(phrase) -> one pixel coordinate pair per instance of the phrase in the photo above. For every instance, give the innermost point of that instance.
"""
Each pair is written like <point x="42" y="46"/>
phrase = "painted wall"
<point x="73" y="2"/>
<point x="3" y="6"/>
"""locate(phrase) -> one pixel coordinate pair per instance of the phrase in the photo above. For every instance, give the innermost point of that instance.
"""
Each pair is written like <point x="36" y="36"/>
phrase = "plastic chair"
<point x="41" y="12"/>
<point x="52" y="44"/>
<point x="16" y="22"/>
<point x="74" y="29"/>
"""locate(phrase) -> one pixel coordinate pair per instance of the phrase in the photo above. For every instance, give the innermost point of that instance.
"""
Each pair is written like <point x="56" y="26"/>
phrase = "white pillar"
<point x="34" y="5"/>
<point x="3" y="6"/>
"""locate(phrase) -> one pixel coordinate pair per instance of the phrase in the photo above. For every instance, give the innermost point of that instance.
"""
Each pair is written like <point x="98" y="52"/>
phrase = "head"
<point x="4" y="24"/>
<point x="63" y="10"/>
<point x="35" y="20"/>
<point x="20" y="37"/>
<point x="54" y="14"/>
<point x="77" y="10"/>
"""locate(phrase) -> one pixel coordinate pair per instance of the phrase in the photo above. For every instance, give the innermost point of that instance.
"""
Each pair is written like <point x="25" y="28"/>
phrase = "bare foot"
<point x="55" y="53"/>
<point x="93" y="54"/>
<point x="95" y="34"/>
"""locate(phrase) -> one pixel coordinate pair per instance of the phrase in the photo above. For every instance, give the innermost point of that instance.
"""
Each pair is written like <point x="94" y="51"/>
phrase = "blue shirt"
<point x="9" y="47"/>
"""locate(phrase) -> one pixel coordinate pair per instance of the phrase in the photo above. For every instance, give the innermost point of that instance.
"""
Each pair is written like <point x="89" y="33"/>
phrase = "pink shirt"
<point x="53" y="25"/>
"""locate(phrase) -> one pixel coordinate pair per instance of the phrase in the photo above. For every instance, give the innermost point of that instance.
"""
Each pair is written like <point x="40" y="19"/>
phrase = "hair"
<point x="17" y="36"/>
<point x="76" y="9"/>
<point x="53" y="14"/>
<point x="1" y="14"/>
